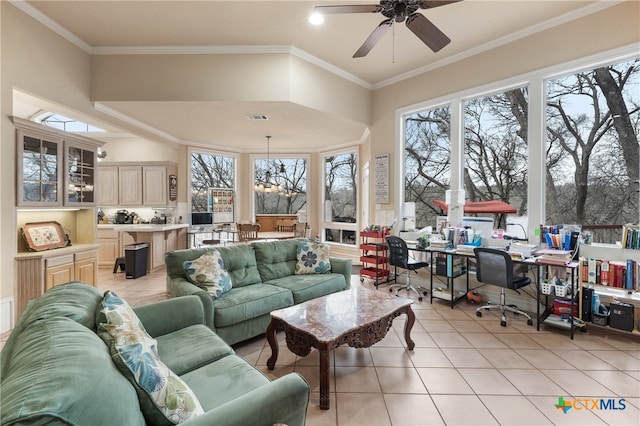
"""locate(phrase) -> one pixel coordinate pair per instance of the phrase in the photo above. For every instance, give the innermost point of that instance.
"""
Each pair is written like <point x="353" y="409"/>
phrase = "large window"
<point x="341" y="197"/>
<point x="495" y="149"/>
<point x="208" y="171"/>
<point x="427" y="165"/>
<point x="281" y="185"/>
<point x="588" y="161"/>
<point x="592" y="146"/>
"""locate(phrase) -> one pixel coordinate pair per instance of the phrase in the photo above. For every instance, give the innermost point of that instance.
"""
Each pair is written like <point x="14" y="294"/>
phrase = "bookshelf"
<point x="616" y="289"/>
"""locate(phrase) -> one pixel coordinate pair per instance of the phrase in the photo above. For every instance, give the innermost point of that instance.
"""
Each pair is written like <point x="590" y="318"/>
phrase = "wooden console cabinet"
<point x="39" y="271"/>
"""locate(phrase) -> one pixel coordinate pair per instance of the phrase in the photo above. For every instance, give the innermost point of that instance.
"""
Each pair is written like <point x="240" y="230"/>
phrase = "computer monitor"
<point x="202" y="220"/>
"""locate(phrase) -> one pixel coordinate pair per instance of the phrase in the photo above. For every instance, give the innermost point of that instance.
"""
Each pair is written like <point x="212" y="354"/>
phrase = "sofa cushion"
<point x="75" y="300"/>
<point x="223" y="381"/>
<point x="61" y="372"/>
<point x="164" y="397"/>
<point x="204" y="347"/>
<point x="276" y="259"/>
<point x="239" y="261"/>
<point x="243" y="303"/>
<point x="307" y="287"/>
<point x="208" y="273"/>
<point x="312" y="258"/>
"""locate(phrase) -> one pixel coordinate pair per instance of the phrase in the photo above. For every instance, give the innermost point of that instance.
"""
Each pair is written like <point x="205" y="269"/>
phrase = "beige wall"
<point x="613" y="27"/>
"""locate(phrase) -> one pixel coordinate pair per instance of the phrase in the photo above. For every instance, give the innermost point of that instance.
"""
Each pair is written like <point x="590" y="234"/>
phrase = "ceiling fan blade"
<point x="427" y="32"/>
<point x="358" y="8"/>
<point x="373" y="38"/>
<point x="430" y="4"/>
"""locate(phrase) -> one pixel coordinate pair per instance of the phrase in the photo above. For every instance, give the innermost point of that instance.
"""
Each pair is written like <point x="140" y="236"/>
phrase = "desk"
<point x="537" y="265"/>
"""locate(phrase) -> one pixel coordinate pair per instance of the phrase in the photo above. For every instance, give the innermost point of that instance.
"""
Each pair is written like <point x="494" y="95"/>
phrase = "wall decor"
<point x="44" y="235"/>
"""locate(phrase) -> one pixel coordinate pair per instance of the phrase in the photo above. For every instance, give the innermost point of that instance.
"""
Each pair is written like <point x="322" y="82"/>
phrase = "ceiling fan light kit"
<point x="397" y="11"/>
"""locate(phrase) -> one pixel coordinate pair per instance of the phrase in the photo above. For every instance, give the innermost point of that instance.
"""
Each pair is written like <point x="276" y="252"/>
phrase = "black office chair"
<point x="399" y="258"/>
<point x="495" y="267"/>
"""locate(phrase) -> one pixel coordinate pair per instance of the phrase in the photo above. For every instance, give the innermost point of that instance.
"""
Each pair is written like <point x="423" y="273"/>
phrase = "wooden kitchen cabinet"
<point x="37" y="272"/>
<point x="130" y="186"/>
<point x="54" y="168"/>
<point x="154" y="192"/>
<point x="107" y="183"/>
<point x="58" y="270"/>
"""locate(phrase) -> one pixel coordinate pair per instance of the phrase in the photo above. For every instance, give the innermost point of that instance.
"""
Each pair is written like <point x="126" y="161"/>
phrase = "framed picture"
<point x="44" y="235"/>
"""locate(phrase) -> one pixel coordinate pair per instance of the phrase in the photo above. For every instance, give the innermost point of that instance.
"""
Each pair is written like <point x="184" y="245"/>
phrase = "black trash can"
<point x="135" y="256"/>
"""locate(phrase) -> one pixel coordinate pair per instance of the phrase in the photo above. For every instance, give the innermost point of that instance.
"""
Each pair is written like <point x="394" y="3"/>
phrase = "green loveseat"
<point x="263" y="277"/>
<point x="55" y="369"/>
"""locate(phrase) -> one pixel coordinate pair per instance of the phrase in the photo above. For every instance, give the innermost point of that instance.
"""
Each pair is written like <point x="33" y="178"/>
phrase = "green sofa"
<point x="263" y="277"/>
<point x="55" y="369"/>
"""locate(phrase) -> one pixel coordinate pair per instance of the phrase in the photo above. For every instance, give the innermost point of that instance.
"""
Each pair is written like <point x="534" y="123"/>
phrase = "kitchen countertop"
<point x="143" y="227"/>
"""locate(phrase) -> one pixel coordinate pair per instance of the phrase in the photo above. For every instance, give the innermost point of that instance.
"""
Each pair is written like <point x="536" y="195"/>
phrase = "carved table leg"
<point x="273" y="342"/>
<point x="324" y="378"/>
<point x="408" y="325"/>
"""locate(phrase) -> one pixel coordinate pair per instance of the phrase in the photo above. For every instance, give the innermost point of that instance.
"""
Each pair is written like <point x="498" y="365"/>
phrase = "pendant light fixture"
<point x="268" y="185"/>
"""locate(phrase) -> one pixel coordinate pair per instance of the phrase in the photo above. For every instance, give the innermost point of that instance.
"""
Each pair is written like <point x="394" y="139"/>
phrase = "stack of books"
<point x="440" y="244"/>
<point x="550" y="256"/>
<point x="523" y="250"/>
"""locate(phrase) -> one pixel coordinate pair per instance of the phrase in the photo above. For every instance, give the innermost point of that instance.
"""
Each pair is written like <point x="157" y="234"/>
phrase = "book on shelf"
<point x="621" y="274"/>
<point x="631" y="237"/>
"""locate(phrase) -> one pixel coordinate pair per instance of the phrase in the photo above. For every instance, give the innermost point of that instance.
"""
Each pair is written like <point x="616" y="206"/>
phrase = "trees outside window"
<point x="495" y="148"/>
<point x="341" y="197"/>
<point x="284" y="185"/>
<point x="209" y="170"/>
<point x="592" y="159"/>
<point x="427" y="165"/>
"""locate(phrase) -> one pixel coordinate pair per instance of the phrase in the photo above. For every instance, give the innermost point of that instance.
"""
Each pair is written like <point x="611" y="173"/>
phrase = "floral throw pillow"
<point x="163" y="395"/>
<point x="313" y="258"/>
<point x="208" y="273"/>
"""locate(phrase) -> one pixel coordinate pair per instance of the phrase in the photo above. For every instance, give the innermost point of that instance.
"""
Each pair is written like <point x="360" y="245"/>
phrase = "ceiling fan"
<point x="398" y="11"/>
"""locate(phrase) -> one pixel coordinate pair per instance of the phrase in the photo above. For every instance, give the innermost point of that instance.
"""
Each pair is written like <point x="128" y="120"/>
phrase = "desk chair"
<point x="399" y="258"/>
<point x="495" y="267"/>
<point x="248" y="231"/>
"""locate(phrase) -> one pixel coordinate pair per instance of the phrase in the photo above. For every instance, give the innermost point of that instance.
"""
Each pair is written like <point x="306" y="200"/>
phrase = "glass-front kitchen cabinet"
<point x="80" y="175"/>
<point x="55" y="168"/>
<point x="39" y="169"/>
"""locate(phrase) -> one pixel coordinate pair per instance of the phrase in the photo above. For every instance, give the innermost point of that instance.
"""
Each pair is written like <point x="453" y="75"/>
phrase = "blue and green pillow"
<point x="312" y="258"/>
<point x="208" y="273"/>
<point x="164" y="397"/>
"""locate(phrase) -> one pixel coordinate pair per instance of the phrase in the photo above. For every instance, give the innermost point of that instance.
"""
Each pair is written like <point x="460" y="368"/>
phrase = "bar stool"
<point x="119" y="262"/>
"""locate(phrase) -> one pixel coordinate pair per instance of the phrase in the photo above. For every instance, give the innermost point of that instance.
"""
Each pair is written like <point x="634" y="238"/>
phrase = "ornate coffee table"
<point x="358" y="317"/>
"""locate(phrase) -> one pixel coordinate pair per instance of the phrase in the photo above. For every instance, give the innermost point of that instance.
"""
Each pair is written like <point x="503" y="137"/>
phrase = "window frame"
<point x="191" y="151"/>
<point x="536" y="82"/>
<point x="290" y="156"/>
<point x="341" y="226"/>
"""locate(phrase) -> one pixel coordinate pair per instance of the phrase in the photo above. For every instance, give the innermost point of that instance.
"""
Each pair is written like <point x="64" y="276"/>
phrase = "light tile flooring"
<point x="464" y="370"/>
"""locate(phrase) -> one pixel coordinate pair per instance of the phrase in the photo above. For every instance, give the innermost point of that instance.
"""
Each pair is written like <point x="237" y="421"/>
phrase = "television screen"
<point x="201" y="219"/>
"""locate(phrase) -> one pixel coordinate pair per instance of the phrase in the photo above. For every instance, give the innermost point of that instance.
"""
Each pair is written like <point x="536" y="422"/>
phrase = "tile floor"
<point x="464" y="370"/>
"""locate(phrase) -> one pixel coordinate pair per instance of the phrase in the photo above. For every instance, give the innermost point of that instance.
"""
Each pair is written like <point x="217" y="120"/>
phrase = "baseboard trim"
<point x="6" y="314"/>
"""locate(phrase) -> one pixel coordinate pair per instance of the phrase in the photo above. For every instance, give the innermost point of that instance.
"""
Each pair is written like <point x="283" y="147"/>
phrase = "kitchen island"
<point x="161" y="238"/>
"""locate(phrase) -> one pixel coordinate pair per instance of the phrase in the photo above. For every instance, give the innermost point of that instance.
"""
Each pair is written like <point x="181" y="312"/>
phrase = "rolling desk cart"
<point x="374" y="257"/>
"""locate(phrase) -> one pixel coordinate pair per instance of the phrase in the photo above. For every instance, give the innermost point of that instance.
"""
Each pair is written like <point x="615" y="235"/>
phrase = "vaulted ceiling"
<point x="112" y="26"/>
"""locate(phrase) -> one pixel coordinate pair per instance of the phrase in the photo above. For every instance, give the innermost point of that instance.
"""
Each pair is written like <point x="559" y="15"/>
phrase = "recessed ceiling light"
<point x="316" y="18"/>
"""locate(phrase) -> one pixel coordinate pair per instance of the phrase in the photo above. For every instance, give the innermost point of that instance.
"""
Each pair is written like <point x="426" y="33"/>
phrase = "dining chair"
<point x="247" y="231"/>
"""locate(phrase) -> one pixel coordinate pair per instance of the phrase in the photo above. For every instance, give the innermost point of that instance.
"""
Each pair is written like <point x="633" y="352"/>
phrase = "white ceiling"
<point x="236" y="26"/>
